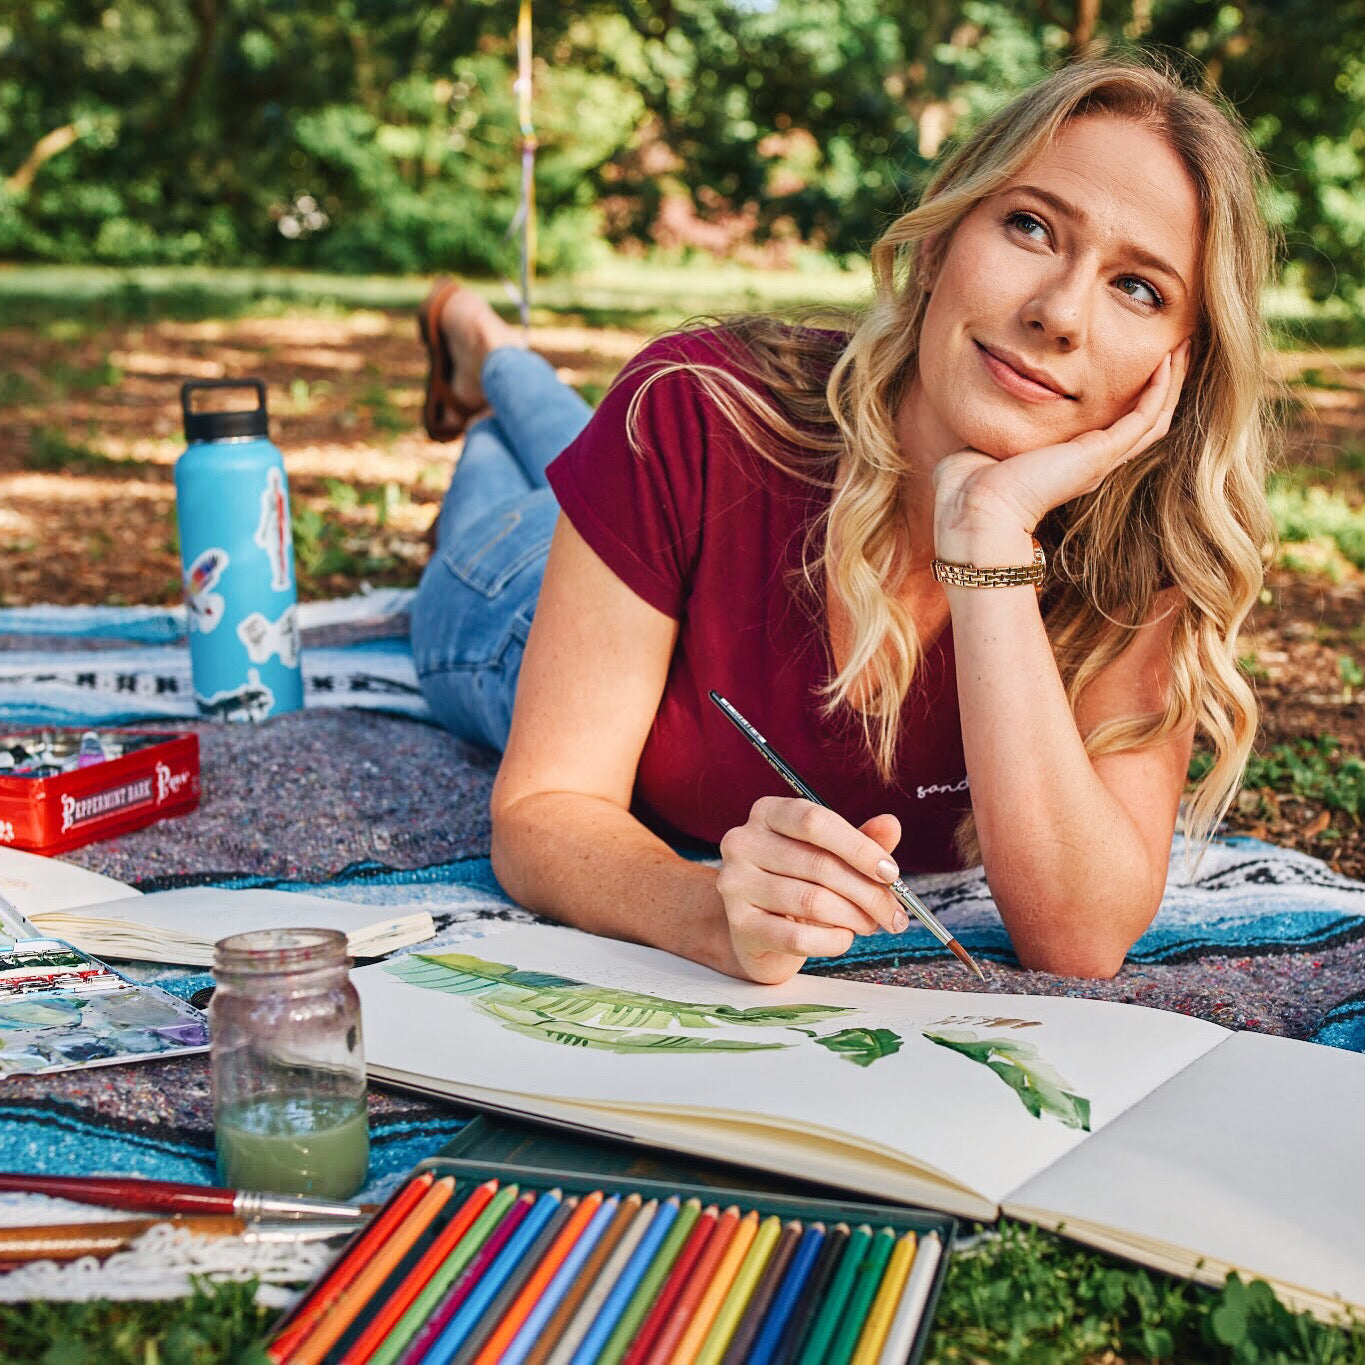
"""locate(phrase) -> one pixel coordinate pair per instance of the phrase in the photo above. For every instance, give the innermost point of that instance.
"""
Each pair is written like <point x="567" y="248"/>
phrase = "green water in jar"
<point x="294" y="1144"/>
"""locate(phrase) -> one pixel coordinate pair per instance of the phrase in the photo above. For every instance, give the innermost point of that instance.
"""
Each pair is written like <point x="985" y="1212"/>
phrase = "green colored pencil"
<point x="840" y="1287"/>
<point x="444" y="1276"/>
<point x="860" y="1300"/>
<point x="648" y="1289"/>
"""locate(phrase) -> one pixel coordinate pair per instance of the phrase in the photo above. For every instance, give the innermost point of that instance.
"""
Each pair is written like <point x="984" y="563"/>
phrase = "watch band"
<point x="1001" y="576"/>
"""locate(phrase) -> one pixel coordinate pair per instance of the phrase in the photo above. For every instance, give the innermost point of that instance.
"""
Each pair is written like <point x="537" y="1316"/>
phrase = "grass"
<point x="1315" y="770"/>
<point x="1022" y="1295"/>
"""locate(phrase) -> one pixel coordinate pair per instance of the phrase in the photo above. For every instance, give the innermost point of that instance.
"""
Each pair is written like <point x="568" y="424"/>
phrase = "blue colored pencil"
<point x="631" y="1275"/>
<point x="788" y="1292"/>
<point x="445" y="1346"/>
<point x="559" y="1285"/>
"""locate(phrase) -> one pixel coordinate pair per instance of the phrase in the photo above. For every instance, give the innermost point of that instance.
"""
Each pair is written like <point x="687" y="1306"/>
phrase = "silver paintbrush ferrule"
<point x="276" y="1208"/>
<point x="920" y="911"/>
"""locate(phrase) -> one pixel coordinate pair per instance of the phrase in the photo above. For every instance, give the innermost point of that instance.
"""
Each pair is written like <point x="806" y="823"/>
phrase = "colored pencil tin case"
<point x="805" y="1208"/>
<point x="60" y="811"/>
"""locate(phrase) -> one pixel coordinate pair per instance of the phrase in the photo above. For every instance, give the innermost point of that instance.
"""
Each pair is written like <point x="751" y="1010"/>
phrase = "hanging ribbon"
<point x="524" y="220"/>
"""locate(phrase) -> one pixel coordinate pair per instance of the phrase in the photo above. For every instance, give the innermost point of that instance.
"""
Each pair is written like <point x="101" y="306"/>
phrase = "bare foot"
<point x="471" y="330"/>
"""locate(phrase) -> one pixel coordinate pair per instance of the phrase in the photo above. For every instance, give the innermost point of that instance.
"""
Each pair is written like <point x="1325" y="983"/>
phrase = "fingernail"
<point x="902" y="921"/>
<point x="887" y="870"/>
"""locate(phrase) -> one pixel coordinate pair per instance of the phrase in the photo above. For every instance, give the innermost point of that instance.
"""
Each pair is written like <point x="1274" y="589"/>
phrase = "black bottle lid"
<point x="220" y="426"/>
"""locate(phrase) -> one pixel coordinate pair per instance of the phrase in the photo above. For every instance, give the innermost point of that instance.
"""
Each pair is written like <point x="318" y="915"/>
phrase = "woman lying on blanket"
<point x="1064" y="349"/>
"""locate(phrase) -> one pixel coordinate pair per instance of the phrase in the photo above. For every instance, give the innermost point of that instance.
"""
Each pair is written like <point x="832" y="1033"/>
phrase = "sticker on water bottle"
<point x="205" y="605"/>
<point x="272" y="534"/>
<point x="252" y="701"/>
<point x="263" y="638"/>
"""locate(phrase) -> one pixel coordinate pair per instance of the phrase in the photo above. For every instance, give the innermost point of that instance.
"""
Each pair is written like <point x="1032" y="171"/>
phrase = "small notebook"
<point x="182" y="926"/>
<point x="61" y="1009"/>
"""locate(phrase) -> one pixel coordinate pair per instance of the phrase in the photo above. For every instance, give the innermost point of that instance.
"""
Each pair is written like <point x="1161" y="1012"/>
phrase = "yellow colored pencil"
<point x="746" y="1279"/>
<point x="878" y="1324"/>
<point x="709" y="1305"/>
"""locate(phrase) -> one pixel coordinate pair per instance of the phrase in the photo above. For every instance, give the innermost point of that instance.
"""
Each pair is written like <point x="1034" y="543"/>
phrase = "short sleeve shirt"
<point x="710" y="532"/>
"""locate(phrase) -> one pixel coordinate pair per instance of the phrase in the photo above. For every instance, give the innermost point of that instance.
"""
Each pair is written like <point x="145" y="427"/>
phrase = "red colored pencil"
<point x="672" y="1287"/>
<point x="347" y="1267"/>
<point x="369" y="1341"/>
<point x="694" y="1287"/>
<point x="468" y="1278"/>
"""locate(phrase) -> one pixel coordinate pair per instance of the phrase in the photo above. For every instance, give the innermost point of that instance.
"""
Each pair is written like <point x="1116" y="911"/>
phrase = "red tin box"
<point x="53" y="814"/>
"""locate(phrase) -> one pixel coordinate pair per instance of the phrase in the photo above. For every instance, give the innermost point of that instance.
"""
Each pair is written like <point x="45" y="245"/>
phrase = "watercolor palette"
<point x="61" y="1009"/>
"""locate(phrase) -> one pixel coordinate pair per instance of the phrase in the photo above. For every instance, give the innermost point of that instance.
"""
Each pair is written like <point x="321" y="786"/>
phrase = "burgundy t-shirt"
<point x="709" y="532"/>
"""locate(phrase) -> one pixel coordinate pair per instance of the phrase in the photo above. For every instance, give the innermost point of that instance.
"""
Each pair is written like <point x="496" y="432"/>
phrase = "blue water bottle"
<point x="237" y="557"/>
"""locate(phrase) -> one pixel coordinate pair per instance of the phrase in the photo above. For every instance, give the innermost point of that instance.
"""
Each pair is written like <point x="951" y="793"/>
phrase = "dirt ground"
<point x="90" y="427"/>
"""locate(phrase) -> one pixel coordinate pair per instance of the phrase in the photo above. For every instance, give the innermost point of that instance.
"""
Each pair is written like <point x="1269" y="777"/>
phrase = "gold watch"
<point x="996" y="576"/>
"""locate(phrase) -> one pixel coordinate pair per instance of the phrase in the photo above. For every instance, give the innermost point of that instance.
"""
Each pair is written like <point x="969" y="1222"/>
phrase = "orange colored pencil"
<point x="534" y="1287"/>
<point x="714" y="1294"/>
<point x="369" y="1341"/>
<point x="351" y="1262"/>
<point x="324" y="1335"/>
<point x="701" y="1276"/>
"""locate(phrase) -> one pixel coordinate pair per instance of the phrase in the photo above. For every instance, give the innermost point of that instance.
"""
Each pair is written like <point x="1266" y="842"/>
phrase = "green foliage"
<point x="1026" y="1296"/>
<point x="356" y="136"/>
<point x="1317" y="514"/>
<point x="1314" y="770"/>
<point x="52" y="451"/>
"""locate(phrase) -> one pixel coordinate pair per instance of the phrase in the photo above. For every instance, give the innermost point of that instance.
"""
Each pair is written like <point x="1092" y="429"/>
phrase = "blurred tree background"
<point x="381" y="135"/>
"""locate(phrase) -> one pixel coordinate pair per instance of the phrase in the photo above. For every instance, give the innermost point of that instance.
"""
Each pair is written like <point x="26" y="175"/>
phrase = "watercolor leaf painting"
<point x="1038" y="1084"/>
<point x="579" y="1014"/>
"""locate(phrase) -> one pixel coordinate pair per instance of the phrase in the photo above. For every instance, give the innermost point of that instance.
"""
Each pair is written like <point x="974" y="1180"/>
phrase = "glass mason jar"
<point x="288" y="1065"/>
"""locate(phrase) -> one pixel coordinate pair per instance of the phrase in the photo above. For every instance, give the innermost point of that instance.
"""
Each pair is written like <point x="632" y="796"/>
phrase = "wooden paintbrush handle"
<point x="67" y="1241"/>
<point x="156" y="1196"/>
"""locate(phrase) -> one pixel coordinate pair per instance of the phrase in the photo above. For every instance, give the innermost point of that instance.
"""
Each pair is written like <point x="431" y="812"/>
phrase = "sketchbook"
<point x="1158" y="1137"/>
<point x="102" y="915"/>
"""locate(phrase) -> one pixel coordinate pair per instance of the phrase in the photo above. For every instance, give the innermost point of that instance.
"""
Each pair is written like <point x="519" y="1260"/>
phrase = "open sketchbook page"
<point x="33" y="883"/>
<point x="183" y="925"/>
<point x="984" y="1090"/>
<point x="1252" y="1160"/>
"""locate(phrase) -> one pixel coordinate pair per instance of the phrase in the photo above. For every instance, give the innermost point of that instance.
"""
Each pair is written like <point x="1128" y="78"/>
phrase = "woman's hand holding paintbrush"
<point x="799" y="881"/>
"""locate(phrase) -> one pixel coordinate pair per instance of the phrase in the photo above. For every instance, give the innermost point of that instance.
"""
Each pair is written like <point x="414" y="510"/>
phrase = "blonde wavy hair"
<point x="1191" y="511"/>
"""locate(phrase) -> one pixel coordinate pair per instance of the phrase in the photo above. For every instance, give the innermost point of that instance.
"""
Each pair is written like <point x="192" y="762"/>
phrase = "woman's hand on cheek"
<point x="799" y="881"/>
<point x="975" y="493"/>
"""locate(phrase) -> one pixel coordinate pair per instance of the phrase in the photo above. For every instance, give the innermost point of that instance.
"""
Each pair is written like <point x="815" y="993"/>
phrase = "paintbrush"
<point x="69" y="1241"/>
<point x="166" y="1197"/>
<point x="793" y="779"/>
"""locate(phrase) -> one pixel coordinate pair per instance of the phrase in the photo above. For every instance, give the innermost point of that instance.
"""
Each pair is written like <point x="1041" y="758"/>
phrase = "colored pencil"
<point x="587" y="1277"/>
<point x="791" y="1340"/>
<point x="836" y="1297"/>
<point x="685" y="1307"/>
<point x="442" y="1349"/>
<point x="351" y="1262"/>
<point x="865" y="1285"/>
<point x="341" y="1349"/>
<point x="674" y="1281"/>
<point x="581" y="1324"/>
<point x="757" y="1308"/>
<point x="651" y="1281"/>
<point x="910" y="1310"/>
<point x="884" y="1305"/>
<point x="357" y="1294"/>
<point x="708" y="1306"/>
<point x="382" y="1325"/>
<point x="814" y="1253"/>
<point x="432" y="1294"/>
<point x="468" y="1278"/>
<point x="740" y="1291"/>
<point x="614" y="1305"/>
<point x="500" y="1304"/>
<point x="497" y="1345"/>
<point x="564" y="1278"/>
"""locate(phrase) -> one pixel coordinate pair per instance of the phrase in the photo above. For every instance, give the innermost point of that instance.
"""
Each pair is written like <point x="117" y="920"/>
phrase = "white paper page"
<point x="181" y="919"/>
<point x="949" y="1111"/>
<point x="1254" y="1158"/>
<point x="33" y="883"/>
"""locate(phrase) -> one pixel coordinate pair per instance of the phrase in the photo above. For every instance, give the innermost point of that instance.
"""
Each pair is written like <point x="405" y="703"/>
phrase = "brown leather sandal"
<point x="443" y="415"/>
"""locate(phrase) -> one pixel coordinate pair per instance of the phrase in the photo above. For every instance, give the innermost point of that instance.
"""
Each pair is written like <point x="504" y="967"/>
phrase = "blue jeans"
<point x="478" y="593"/>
